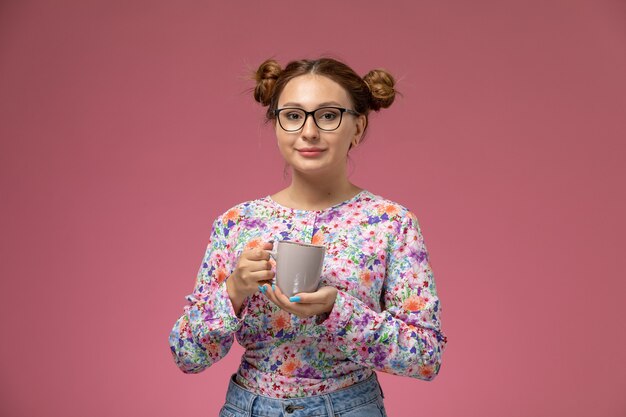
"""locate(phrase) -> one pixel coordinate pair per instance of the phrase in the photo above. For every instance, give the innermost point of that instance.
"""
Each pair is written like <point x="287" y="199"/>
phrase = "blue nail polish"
<point x="273" y="287"/>
<point x="262" y="288"/>
<point x="295" y="299"/>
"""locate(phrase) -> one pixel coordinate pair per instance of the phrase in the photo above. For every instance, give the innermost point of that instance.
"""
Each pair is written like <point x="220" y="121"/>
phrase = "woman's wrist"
<point x="235" y="299"/>
<point x="320" y="318"/>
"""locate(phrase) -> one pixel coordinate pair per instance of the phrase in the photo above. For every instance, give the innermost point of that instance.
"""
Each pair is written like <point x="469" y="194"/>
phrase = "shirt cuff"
<point x="213" y="314"/>
<point x="340" y="315"/>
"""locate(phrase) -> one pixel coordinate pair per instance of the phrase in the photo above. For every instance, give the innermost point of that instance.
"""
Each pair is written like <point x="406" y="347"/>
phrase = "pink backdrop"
<point x="126" y="128"/>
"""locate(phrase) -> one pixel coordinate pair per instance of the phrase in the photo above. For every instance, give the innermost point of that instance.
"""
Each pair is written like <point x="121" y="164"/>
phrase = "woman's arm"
<point x="405" y="338"/>
<point x="205" y="332"/>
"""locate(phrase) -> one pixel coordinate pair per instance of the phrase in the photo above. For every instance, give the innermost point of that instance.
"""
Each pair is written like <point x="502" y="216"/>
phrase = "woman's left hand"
<point x="305" y="304"/>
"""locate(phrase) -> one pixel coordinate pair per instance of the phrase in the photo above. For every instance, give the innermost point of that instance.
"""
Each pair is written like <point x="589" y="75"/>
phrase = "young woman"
<point x="377" y="307"/>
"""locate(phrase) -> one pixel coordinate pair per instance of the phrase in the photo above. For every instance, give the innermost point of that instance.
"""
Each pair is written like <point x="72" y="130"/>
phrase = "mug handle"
<point x="274" y="251"/>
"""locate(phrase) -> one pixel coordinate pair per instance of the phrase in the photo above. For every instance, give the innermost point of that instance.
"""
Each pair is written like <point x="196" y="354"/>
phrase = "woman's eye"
<point x="293" y="116"/>
<point x="328" y="116"/>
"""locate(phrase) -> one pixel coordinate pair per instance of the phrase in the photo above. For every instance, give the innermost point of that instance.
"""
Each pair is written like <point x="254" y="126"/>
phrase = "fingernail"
<point x="262" y="288"/>
<point x="273" y="287"/>
<point x="295" y="299"/>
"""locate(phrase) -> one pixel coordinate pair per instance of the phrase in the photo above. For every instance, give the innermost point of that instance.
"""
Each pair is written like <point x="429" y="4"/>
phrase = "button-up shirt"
<point x="386" y="315"/>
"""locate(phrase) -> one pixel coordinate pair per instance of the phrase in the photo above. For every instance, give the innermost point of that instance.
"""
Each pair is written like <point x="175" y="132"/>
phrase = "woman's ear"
<point x="361" y="123"/>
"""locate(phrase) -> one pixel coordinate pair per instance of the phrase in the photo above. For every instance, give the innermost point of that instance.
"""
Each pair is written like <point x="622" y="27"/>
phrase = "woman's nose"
<point x="310" y="130"/>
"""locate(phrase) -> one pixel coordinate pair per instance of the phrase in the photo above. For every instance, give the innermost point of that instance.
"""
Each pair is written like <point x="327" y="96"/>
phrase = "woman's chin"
<point x="311" y="168"/>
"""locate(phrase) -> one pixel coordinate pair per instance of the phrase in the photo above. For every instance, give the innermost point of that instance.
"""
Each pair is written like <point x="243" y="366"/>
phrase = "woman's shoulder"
<point x="248" y="208"/>
<point x="389" y="209"/>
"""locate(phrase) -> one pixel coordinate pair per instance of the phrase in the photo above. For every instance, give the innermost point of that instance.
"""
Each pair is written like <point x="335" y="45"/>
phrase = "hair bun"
<point x="381" y="85"/>
<point x="265" y="77"/>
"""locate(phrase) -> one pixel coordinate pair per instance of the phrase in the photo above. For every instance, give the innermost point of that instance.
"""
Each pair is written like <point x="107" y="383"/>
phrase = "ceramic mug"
<point x="298" y="266"/>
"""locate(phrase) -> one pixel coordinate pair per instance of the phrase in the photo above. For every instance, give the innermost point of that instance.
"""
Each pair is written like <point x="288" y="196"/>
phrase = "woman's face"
<point x="310" y="150"/>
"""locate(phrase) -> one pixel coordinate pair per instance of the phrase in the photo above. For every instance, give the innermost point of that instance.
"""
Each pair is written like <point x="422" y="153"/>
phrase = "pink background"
<point x="126" y="128"/>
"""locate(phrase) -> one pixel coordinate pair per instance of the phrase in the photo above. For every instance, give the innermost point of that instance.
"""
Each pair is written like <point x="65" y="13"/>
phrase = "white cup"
<point x="298" y="266"/>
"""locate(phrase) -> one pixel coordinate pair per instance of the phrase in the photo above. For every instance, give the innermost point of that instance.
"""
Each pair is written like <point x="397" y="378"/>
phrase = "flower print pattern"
<point x="386" y="315"/>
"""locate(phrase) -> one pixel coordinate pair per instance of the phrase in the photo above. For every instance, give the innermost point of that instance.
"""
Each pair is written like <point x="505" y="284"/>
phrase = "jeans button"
<point x="289" y="409"/>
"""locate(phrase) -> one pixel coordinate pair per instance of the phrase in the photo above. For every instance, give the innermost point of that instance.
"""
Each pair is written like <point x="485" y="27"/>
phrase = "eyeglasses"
<point x="292" y="119"/>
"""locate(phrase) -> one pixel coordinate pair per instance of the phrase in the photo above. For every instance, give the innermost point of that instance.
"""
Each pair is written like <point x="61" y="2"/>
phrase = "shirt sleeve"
<point x="405" y="338"/>
<point x="205" y="332"/>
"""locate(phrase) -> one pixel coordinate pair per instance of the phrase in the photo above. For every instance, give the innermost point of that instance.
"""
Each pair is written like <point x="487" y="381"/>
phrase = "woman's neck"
<point x="307" y="193"/>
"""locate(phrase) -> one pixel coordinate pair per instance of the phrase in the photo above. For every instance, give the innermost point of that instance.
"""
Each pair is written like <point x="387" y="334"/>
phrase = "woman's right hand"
<point x="253" y="269"/>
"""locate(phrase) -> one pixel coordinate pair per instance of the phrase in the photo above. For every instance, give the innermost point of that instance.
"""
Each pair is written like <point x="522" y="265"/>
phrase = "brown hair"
<point x="372" y="92"/>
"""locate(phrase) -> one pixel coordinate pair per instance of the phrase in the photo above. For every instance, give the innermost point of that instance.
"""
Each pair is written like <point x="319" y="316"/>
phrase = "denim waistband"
<point x="339" y="401"/>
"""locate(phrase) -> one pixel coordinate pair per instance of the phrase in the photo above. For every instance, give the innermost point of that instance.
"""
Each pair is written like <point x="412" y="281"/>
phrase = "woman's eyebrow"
<point x="326" y="103"/>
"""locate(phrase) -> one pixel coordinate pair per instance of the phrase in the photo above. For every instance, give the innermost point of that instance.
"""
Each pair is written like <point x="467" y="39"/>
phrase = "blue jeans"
<point x="363" y="399"/>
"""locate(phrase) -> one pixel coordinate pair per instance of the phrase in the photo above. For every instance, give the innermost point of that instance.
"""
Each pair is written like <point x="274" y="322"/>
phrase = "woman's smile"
<point x="310" y="152"/>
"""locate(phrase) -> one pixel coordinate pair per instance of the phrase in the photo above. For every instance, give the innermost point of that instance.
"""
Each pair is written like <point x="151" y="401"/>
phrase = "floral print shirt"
<point x="385" y="316"/>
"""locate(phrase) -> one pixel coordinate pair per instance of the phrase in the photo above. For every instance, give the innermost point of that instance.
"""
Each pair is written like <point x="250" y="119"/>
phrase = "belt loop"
<point x="329" y="405"/>
<point x="380" y="387"/>
<point x="250" y="404"/>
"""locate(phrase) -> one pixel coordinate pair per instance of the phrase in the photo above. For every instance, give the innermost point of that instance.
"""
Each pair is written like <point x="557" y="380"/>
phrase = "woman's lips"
<point x="310" y="153"/>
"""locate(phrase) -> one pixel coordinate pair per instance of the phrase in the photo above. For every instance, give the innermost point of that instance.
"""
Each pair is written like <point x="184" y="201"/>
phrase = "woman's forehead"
<point x="311" y="90"/>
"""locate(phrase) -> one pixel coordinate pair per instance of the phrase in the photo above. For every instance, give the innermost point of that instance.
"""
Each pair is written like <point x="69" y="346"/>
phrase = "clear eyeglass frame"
<point x="317" y="114"/>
